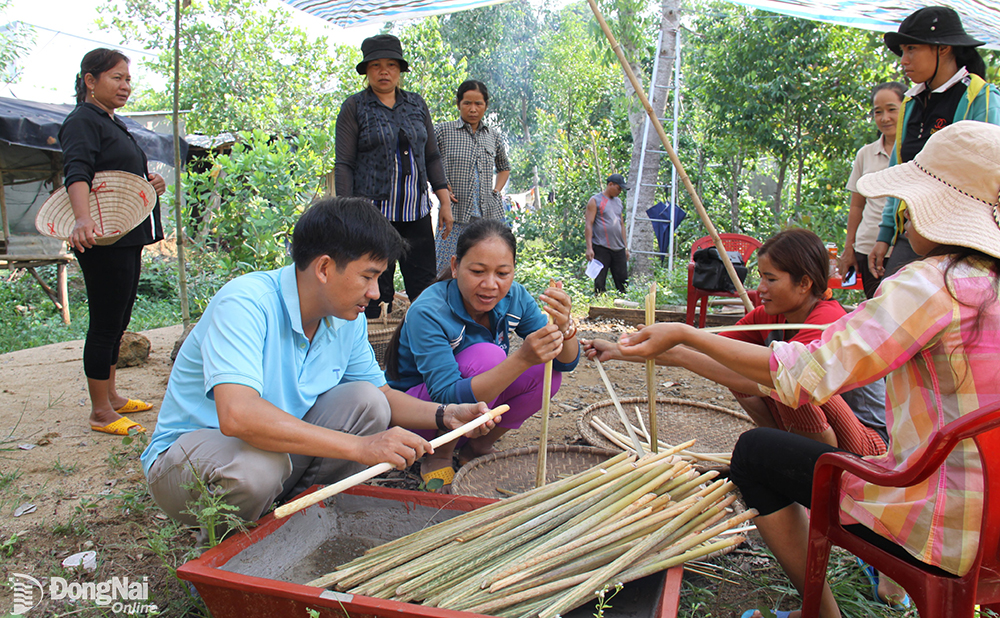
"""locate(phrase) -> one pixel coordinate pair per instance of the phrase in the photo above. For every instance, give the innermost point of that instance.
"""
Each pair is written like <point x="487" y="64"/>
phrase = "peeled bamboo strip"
<point x="614" y="436"/>
<point x="642" y="425"/>
<point x="618" y="406"/>
<point x="543" y="439"/>
<point x="735" y="328"/>
<point x="651" y="372"/>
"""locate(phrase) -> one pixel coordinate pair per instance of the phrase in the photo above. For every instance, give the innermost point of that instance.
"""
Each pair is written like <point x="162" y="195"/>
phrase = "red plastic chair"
<point x="732" y="242"/>
<point x="935" y="595"/>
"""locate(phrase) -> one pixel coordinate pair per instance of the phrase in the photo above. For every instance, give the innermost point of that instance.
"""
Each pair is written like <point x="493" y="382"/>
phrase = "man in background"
<point x="605" y="233"/>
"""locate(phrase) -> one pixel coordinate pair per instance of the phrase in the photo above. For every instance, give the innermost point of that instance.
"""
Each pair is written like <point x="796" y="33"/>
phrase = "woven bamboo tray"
<point x="500" y="475"/>
<point x="714" y="428"/>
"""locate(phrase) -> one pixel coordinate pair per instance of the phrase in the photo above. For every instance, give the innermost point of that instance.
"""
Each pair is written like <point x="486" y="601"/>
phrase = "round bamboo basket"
<point x="714" y="428"/>
<point x="380" y="329"/>
<point x="500" y="475"/>
<point x="379" y="333"/>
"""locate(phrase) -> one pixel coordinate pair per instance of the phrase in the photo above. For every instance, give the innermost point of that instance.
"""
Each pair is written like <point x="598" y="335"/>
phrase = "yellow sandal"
<point x="134" y="405"/>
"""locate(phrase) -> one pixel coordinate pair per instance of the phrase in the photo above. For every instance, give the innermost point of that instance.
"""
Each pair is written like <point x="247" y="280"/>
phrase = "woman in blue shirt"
<point x="454" y="345"/>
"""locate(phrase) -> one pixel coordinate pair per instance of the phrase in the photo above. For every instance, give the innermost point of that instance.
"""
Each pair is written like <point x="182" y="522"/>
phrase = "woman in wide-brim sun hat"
<point x="932" y="331"/>
<point x="93" y="139"/>
<point x="949" y="86"/>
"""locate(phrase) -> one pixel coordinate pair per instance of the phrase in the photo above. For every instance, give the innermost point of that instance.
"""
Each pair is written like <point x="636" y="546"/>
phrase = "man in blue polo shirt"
<point x="277" y="387"/>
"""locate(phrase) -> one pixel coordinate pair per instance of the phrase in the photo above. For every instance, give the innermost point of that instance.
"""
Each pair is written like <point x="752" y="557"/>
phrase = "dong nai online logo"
<point x="121" y="594"/>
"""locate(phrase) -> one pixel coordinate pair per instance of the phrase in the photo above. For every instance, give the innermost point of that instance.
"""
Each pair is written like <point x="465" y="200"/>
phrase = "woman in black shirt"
<point x="94" y="140"/>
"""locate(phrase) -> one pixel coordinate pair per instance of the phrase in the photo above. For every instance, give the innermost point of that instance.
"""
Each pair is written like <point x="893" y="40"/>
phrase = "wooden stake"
<point x="636" y="444"/>
<point x="702" y="213"/>
<point x="355" y="479"/>
<point x="543" y="438"/>
<point x="651" y="371"/>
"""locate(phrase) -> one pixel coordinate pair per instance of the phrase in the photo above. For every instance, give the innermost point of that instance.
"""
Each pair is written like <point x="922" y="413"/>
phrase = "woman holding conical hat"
<point x="94" y="139"/>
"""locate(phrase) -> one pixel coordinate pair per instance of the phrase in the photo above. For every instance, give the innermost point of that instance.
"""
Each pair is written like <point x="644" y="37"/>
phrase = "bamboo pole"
<point x="702" y="214"/>
<point x="178" y="190"/>
<point x="621" y="412"/>
<point x="736" y="328"/>
<point x="651" y="371"/>
<point x="330" y="490"/>
<point x="543" y="438"/>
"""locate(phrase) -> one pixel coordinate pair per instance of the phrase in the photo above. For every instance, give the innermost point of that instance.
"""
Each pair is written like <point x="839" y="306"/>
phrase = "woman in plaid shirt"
<point x="932" y="330"/>
<point x="470" y="150"/>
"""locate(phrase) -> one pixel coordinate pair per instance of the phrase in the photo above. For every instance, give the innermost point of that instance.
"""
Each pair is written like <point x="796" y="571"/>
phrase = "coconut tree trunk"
<point x="642" y="181"/>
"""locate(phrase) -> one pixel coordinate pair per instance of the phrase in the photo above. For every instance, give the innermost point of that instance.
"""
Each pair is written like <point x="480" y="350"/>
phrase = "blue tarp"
<point x="356" y="12"/>
<point x="662" y="228"/>
<point x="981" y="18"/>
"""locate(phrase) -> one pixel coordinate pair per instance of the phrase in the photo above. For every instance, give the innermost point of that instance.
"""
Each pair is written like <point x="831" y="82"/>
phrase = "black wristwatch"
<point x="439" y="418"/>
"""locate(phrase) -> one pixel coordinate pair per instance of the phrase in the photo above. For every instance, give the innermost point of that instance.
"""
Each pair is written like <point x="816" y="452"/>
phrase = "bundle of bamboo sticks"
<point x="623" y="442"/>
<point x="551" y="549"/>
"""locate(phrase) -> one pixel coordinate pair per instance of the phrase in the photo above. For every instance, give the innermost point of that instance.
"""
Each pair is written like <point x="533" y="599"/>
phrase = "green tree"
<point x="243" y="66"/>
<point x="434" y="73"/>
<point x="15" y="39"/>
<point x="786" y="99"/>
<point x="502" y="45"/>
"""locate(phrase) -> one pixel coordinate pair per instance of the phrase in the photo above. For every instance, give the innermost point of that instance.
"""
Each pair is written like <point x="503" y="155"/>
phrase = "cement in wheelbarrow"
<point x="262" y="574"/>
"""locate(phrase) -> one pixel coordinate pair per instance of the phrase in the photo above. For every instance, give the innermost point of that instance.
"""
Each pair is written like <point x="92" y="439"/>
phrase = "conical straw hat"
<point x="119" y="201"/>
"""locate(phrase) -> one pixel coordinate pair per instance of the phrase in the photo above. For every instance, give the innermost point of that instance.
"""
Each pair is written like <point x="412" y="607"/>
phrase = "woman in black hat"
<point x="386" y="152"/>
<point x="949" y="76"/>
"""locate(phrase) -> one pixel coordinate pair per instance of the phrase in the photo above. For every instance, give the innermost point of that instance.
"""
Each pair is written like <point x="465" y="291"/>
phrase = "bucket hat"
<point x="382" y="46"/>
<point x="951" y="187"/>
<point x="619" y="180"/>
<point x="932" y="25"/>
<point x="119" y="201"/>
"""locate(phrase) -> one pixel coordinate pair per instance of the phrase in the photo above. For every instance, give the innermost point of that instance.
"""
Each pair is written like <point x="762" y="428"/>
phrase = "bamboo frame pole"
<point x="702" y="214"/>
<point x="735" y="328"/>
<point x="355" y="479"/>
<point x="621" y="412"/>
<point x="178" y="189"/>
<point x="3" y="213"/>
<point x="651" y="372"/>
<point x="543" y="438"/>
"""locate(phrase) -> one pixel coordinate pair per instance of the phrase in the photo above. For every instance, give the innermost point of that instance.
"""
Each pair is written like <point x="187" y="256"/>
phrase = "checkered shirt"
<point x="463" y="154"/>
<point x="937" y="369"/>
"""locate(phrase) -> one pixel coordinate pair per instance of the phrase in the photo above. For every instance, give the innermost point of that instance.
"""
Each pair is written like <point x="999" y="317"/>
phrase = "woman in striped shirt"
<point x="932" y="330"/>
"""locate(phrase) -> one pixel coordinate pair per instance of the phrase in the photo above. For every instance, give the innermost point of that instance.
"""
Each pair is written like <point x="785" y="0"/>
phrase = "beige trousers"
<point x="253" y="479"/>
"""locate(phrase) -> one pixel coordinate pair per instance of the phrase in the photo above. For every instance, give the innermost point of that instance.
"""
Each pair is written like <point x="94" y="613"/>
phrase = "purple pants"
<point x="524" y="395"/>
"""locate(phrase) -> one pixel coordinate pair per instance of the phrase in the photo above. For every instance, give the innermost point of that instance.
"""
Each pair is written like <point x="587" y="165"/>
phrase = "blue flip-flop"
<point x="777" y="613"/>
<point x="872" y="576"/>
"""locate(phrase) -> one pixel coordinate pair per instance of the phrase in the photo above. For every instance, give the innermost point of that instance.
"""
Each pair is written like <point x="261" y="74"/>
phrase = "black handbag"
<point x="710" y="273"/>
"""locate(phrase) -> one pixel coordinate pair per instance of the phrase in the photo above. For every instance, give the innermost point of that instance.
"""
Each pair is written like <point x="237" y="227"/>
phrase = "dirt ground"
<point x="88" y="492"/>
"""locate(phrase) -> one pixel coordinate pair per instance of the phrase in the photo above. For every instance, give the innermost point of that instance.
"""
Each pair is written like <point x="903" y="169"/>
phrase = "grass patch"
<point x="29" y="319"/>
<point x="731" y="584"/>
<point x="64" y="469"/>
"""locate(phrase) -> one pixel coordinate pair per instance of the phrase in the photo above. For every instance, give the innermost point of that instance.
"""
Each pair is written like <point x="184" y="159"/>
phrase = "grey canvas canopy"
<point x="31" y="165"/>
